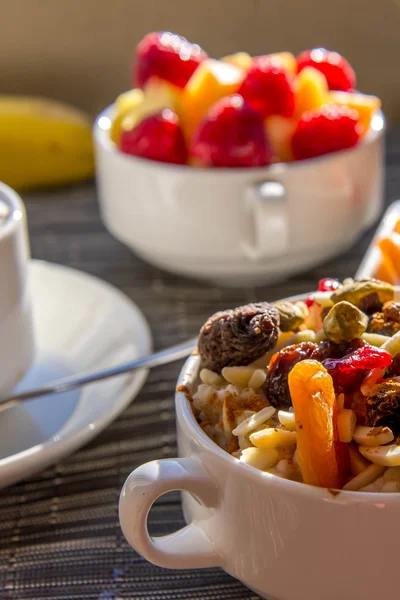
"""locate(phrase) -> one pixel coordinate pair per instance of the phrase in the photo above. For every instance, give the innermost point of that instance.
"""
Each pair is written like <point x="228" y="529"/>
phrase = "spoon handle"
<point x="162" y="357"/>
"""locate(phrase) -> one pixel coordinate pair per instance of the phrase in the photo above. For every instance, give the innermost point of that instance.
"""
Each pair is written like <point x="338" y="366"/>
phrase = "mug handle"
<point x="187" y="548"/>
<point x="267" y="204"/>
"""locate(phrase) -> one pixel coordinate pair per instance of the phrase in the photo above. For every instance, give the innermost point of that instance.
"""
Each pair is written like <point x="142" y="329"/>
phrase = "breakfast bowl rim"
<point x="187" y="420"/>
<point x="101" y="137"/>
<point x="17" y="210"/>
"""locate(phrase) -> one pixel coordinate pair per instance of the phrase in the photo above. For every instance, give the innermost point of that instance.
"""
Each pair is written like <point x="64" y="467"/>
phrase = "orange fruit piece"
<point x="397" y="227"/>
<point x="386" y="270"/>
<point x="390" y="248"/>
<point x="279" y="131"/>
<point x="365" y="105"/>
<point x="320" y="453"/>
<point x="311" y="91"/>
<point x="211" y="81"/>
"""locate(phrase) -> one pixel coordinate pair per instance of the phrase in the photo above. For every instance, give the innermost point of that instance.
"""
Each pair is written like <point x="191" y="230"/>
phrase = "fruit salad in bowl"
<point x="240" y="170"/>
<point x="309" y="391"/>
<point x="238" y="111"/>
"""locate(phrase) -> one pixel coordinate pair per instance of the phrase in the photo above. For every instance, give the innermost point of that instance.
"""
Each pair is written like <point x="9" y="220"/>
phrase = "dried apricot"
<point x="321" y="456"/>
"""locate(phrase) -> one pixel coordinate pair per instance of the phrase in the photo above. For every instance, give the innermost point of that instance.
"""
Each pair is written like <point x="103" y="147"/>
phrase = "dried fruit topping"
<point x="276" y="387"/>
<point x="328" y="129"/>
<point x="231" y="135"/>
<point x="386" y="322"/>
<point x="348" y="372"/>
<point x="268" y="88"/>
<point x="383" y="406"/>
<point x="344" y="322"/>
<point x="238" y="336"/>
<point x="167" y="56"/>
<point x="328" y="284"/>
<point x="368" y="295"/>
<point x="338" y="72"/>
<point x="290" y="315"/>
<point x="321" y="456"/>
<point x="394" y="369"/>
<point x="327" y="349"/>
<point x="159" y="137"/>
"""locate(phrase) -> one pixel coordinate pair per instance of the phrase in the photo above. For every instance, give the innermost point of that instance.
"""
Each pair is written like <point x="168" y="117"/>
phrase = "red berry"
<point x="309" y="301"/>
<point x="348" y="372"/>
<point x="167" y="56"/>
<point x="231" y="135"/>
<point x="268" y="88"/>
<point x="328" y="129"/>
<point x="338" y="72"/>
<point x="328" y="284"/>
<point x="158" y="137"/>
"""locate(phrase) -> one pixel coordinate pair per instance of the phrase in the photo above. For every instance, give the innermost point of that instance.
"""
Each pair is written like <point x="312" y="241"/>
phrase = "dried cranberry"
<point x="348" y="372"/>
<point x="328" y="284"/>
<point x="276" y="387"/>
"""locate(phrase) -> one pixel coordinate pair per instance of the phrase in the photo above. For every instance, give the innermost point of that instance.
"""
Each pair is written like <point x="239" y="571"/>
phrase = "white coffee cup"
<point x="16" y="328"/>
<point x="240" y="226"/>
<point x="283" y="539"/>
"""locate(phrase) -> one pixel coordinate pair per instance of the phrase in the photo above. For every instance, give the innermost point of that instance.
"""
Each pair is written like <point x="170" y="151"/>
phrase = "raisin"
<point x="394" y="369"/>
<point x="239" y="336"/>
<point x="348" y="372"/>
<point x="383" y="406"/>
<point x="276" y="386"/>
<point x="386" y="322"/>
<point x="327" y="349"/>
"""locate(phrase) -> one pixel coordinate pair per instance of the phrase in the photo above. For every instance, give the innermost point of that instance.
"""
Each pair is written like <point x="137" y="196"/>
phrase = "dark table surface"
<point x="60" y="536"/>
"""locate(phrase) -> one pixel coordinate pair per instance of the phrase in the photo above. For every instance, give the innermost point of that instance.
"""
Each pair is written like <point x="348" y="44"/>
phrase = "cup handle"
<point x="187" y="548"/>
<point x="269" y="233"/>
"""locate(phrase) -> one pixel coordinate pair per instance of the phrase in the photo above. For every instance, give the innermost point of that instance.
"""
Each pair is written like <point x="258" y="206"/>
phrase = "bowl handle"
<point x="267" y="204"/>
<point x="187" y="548"/>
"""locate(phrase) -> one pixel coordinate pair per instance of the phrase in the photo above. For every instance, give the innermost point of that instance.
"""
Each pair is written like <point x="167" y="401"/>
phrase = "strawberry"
<point x="231" y="135"/>
<point x="158" y="137"/>
<point x="268" y="88"/>
<point x="167" y="56"/>
<point x="338" y="72"/>
<point x="328" y="129"/>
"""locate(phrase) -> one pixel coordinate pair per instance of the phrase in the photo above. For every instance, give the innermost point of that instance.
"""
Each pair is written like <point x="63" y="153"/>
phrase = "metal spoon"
<point x="162" y="357"/>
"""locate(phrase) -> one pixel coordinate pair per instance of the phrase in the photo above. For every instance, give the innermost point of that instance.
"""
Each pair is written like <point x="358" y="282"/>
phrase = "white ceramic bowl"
<point x="239" y="226"/>
<point x="283" y="539"/>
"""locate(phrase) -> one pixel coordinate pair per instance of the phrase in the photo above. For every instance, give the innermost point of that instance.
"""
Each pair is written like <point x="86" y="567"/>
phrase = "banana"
<point x="43" y="143"/>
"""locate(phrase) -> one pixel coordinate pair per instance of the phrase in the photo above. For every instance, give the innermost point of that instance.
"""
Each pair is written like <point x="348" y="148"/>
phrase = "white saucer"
<point x="81" y="324"/>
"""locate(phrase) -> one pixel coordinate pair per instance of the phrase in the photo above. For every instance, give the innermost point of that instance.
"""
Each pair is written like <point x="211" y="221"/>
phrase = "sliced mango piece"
<point x="126" y="102"/>
<point x="212" y="80"/>
<point x="311" y="90"/>
<point x="365" y="105"/>
<point x="279" y="131"/>
<point x="157" y="95"/>
<point x="239" y="59"/>
<point x="321" y="455"/>
<point x="286" y="59"/>
<point x="390" y="248"/>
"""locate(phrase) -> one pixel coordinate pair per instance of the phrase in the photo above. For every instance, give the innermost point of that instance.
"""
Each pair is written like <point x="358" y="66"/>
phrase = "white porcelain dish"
<point x="283" y="539"/>
<point x="372" y="257"/>
<point x="81" y="324"/>
<point x="17" y="345"/>
<point x="239" y="226"/>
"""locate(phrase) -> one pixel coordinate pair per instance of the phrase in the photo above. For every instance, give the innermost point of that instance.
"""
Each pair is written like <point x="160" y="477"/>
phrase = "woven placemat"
<point x="60" y="536"/>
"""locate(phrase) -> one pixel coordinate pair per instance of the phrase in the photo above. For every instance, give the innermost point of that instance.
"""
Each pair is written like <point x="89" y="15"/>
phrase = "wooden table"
<point x="60" y="536"/>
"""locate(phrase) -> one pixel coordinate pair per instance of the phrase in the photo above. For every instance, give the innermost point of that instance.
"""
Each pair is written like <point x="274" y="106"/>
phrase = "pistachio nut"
<point x="367" y="294"/>
<point x="344" y="322"/>
<point x="291" y="315"/>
